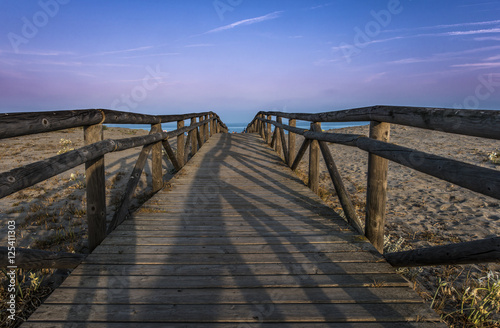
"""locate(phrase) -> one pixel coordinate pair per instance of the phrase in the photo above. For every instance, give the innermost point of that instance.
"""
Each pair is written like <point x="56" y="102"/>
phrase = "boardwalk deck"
<point x="235" y="240"/>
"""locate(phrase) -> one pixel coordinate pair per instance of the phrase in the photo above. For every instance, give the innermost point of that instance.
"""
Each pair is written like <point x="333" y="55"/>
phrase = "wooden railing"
<point x="92" y="155"/>
<point x="486" y="181"/>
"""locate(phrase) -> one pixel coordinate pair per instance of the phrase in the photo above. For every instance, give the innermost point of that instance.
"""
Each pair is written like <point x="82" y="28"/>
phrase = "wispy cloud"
<point x="249" y="21"/>
<point x="153" y="55"/>
<point x="374" y="77"/>
<point x="478" y="65"/>
<point x="445" y="26"/>
<point x="320" y="6"/>
<point x="470" y="32"/>
<point x="199" y="45"/>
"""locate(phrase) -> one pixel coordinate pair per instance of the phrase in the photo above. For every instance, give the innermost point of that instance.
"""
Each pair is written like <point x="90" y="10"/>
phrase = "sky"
<point x="236" y="57"/>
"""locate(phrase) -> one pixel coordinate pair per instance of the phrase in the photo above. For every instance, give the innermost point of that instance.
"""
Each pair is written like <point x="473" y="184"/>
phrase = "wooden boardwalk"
<point x="234" y="240"/>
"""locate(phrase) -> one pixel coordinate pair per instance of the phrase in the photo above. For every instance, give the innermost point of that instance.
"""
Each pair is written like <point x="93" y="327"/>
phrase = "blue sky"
<point x="237" y="57"/>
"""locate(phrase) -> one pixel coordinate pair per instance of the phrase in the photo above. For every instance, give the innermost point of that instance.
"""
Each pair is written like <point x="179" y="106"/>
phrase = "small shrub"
<point x="494" y="157"/>
<point x="66" y="145"/>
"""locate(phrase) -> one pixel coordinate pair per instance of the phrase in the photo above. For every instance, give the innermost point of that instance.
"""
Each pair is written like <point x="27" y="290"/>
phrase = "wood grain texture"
<point x="235" y="240"/>
<point x="376" y="191"/>
<point x="95" y="189"/>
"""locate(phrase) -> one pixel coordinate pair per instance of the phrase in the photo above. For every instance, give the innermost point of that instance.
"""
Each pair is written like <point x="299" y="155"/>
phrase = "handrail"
<point x="477" y="123"/>
<point x="19" y="124"/>
<point x="462" y="121"/>
<point x="92" y="154"/>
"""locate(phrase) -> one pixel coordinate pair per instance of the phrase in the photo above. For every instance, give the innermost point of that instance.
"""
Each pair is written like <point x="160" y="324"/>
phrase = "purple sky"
<point x="237" y="57"/>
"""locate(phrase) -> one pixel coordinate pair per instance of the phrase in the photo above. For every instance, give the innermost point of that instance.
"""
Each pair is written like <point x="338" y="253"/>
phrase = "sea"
<point x="239" y="127"/>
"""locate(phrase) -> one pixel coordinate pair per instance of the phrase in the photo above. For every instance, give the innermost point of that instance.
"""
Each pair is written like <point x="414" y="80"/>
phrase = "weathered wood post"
<point x="96" y="190"/>
<point x="269" y="135"/>
<point x="262" y="127"/>
<point x="201" y="130"/>
<point x="313" y="182"/>
<point x="376" y="194"/>
<point x="211" y="132"/>
<point x="291" y="142"/>
<point x="180" y="144"/>
<point x="157" y="160"/>
<point x="206" y="128"/>
<point x="277" y="142"/>
<point x="194" y="146"/>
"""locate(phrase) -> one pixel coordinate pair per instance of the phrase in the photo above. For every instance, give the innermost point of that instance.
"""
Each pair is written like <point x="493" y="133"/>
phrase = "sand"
<point x="422" y="209"/>
<point x="51" y="214"/>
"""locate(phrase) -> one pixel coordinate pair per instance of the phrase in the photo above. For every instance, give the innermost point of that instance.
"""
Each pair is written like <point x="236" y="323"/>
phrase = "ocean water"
<point x="239" y="127"/>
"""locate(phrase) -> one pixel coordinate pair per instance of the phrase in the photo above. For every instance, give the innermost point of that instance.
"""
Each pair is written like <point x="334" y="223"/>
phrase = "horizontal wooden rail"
<point x="466" y="122"/>
<point x="480" y="179"/>
<point x="31" y="174"/>
<point x="477" y="251"/>
<point x="37" y="259"/>
<point x="478" y="123"/>
<point x="19" y="124"/>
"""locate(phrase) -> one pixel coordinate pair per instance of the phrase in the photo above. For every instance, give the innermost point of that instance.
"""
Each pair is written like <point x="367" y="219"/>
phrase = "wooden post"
<point x="96" y="190"/>
<point x="206" y="128"/>
<point x="376" y="194"/>
<point x="291" y="143"/>
<point x="202" y="132"/>
<point x="180" y="144"/>
<point x="277" y="142"/>
<point x="194" y="145"/>
<point x="211" y="132"/>
<point x="313" y="182"/>
<point x="157" y="160"/>
<point x="262" y="128"/>
<point x="269" y="125"/>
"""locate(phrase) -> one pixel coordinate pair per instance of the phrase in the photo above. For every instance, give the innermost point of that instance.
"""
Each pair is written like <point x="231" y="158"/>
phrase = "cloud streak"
<point x="249" y="21"/>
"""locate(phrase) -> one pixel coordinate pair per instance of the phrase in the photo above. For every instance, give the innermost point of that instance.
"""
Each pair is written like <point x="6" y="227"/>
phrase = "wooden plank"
<point x="297" y="280"/>
<point x="256" y="240"/>
<point x="179" y="258"/>
<point x="74" y="324"/>
<point x="95" y="189"/>
<point x="234" y="249"/>
<point x="379" y="271"/>
<point x="310" y="295"/>
<point x="376" y="194"/>
<point x="235" y="313"/>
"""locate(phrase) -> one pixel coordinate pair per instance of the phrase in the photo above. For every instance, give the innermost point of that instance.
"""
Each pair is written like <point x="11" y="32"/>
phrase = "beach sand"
<point x="51" y="214"/>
